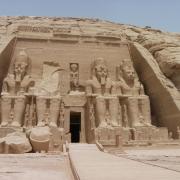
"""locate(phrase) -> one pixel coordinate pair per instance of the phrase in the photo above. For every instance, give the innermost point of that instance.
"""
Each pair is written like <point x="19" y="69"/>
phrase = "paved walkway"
<point x="34" y="167"/>
<point x="91" y="164"/>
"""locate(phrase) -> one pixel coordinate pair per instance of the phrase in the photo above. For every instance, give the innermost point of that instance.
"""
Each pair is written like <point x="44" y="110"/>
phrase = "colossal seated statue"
<point x="15" y="88"/>
<point x="103" y="89"/>
<point x="132" y="98"/>
<point x="48" y="98"/>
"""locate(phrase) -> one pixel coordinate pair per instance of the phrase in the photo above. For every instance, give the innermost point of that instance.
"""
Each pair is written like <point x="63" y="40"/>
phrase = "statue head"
<point x="127" y="70"/>
<point x="74" y="67"/>
<point x="100" y="70"/>
<point x="21" y="65"/>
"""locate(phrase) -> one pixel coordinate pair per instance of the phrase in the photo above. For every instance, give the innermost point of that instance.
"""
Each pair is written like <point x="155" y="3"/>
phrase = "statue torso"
<point x="13" y="87"/>
<point x="97" y="88"/>
<point x="130" y="89"/>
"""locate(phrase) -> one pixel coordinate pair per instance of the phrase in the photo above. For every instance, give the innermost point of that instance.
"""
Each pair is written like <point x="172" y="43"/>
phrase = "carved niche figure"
<point x="134" y="100"/>
<point x="103" y="89"/>
<point x="62" y="115"/>
<point x="48" y="96"/>
<point x="15" y="89"/>
<point x="74" y="76"/>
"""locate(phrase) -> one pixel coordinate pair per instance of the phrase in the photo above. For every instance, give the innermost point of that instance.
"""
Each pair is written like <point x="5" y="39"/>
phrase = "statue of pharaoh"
<point x="136" y="102"/>
<point x="48" y="99"/>
<point x="14" y="90"/>
<point x="103" y="89"/>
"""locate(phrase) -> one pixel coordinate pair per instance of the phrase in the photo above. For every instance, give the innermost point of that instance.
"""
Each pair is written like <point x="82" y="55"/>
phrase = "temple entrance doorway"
<point x="75" y="126"/>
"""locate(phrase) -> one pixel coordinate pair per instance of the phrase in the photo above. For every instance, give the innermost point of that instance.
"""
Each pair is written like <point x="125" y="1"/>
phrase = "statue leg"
<point x="54" y="111"/>
<point x="5" y="110"/>
<point x="124" y="115"/>
<point x="19" y="110"/>
<point x="113" y="110"/>
<point x="41" y="109"/>
<point x="133" y="112"/>
<point x="101" y="111"/>
<point x="144" y="104"/>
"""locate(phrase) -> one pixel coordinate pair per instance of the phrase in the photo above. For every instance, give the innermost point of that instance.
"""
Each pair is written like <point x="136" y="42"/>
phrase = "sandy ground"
<point x="34" y="166"/>
<point x="164" y="157"/>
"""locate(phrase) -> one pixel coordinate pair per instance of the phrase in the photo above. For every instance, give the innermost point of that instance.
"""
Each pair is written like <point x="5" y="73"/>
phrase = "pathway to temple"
<point x="89" y="163"/>
<point x="34" y="167"/>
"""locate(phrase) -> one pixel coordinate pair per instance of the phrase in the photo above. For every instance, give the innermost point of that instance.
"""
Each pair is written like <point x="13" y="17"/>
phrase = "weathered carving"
<point x="40" y="138"/>
<point x="102" y="88"/>
<point x="34" y="29"/>
<point x="132" y="96"/>
<point x="15" y="143"/>
<point x="74" y="76"/>
<point x="62" y="114"/>
<point x="48" y="95"/>
<point x="15" y="89"/>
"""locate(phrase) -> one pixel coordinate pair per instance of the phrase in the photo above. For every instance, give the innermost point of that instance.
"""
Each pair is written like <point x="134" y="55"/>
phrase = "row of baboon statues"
<point x="108" y="98"/>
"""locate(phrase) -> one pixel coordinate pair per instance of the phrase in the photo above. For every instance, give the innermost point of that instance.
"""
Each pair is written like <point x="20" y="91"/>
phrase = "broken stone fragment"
<point x="39" y="138"/>
<point x="15" y="143"/>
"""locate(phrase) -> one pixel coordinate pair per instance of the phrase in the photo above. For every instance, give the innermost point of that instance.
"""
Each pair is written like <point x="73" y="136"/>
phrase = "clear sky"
<point x="161" y="14"/>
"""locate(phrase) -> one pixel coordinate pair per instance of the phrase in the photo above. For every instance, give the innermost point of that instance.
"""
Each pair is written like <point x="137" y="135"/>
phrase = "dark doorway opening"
<point x="75" y="126"/>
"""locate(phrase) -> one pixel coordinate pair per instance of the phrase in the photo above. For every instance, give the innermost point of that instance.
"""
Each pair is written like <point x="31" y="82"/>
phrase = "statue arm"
<point x="141" y="89"/>
<point x="117" y="88"/>
<point x="27" y="83"/>
<point x="114" y="88"/>
<point x="4" y="87"/>
<point x="88" y="88"/>
<point x="31" y="83"/>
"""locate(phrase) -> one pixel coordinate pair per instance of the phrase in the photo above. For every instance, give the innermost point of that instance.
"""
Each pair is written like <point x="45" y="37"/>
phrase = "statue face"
<point x="128" y="73"/>
<point x="101" y="73"/>
<point x="19" y="70"/>
<point x="74" y="67"/>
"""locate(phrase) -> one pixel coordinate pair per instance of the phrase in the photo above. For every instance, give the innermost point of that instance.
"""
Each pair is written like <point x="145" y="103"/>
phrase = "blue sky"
<point x="161" y="14"/>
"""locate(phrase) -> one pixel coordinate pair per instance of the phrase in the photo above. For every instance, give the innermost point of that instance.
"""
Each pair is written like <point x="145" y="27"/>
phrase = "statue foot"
<point x="114" y="123"/>
<point x="103" y="124"/>
<point x="147" y="124"/>
<point x="15" y="124"/>
<point x="41" y="124"/>
<point x="4" y="124"/>
<point x="53" y="124"/>
<point x="138" y="124"/>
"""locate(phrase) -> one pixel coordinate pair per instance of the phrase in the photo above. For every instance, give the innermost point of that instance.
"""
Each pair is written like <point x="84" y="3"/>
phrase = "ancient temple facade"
<point x="84" y="88"/>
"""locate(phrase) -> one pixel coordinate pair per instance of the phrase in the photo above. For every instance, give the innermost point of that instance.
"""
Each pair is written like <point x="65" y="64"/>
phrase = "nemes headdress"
<point x="22" y="57"/>
<point x="97" y="61"/>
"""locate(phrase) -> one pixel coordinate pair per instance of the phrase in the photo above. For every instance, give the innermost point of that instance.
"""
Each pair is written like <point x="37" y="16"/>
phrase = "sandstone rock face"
<point x="76" y="89"/>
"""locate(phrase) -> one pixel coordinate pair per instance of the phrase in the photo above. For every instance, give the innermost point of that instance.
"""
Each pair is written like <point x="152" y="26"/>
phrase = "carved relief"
<point x="48" y="96"/>
<point x="74" y="76"/>
<point x="62" y="115"/>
